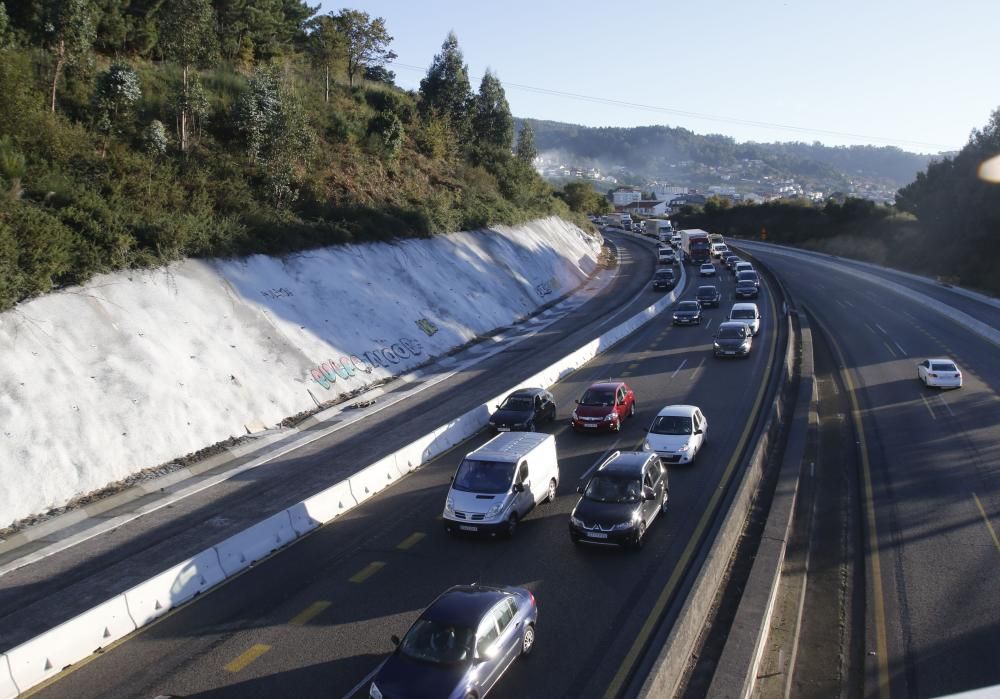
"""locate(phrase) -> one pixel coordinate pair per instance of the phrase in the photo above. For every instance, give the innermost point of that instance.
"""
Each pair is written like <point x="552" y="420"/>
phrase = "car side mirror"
<point x="518" y="488"/>
<point x="580" y="489"/>
<point x="577" y="401"/>
<point x="699" y="431"/>
<point x="395" y="639"/>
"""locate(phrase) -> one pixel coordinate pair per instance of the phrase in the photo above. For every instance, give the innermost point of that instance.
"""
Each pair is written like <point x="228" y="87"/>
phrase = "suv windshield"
<point x="611" y="488"/>
<point x="434" y="642"/>
<point x="687" y="306"/>
<point x="475" y="476"/>
<point x="671" y="424"/>
<point x="598" y="396"/>
<point x="516" y="403"/>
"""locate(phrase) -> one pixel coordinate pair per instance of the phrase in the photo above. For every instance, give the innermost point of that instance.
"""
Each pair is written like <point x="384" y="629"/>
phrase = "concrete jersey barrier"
<point x="49" y="653"/>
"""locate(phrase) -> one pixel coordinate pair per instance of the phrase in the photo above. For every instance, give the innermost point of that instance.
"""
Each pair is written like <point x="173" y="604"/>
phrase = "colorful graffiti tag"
<point x="327" y="373"/>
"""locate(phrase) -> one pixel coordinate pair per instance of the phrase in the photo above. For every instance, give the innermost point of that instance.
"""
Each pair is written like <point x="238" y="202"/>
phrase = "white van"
<point x="499" y="483"/>
<point x="746" y="313"/>
<point x="718" y="249"/>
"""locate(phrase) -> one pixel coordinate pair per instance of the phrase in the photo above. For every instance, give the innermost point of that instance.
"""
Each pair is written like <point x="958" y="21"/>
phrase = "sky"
<point x="915" y="74"/>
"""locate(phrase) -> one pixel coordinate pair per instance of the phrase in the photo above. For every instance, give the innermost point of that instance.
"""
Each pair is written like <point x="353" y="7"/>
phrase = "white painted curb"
<point x="49" y="653"/>
<point x="8" y="690"/>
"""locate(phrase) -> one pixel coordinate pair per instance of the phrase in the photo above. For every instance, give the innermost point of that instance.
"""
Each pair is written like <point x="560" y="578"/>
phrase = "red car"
<point x="604" y="406"/>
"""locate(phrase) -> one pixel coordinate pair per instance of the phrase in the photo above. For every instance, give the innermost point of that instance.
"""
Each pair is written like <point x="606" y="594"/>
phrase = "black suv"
<point x="708" y="295"/>
<point x="623" y="497"/>
<point x="664" y="279"/>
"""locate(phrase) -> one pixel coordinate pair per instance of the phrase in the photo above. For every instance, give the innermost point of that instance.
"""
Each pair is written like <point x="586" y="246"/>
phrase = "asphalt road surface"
<point x="315" y="619"/>
<point x="930" y="476"/>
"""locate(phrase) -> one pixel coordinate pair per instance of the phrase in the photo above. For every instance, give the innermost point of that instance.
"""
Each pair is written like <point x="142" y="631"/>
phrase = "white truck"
<point x="498" y="484"/>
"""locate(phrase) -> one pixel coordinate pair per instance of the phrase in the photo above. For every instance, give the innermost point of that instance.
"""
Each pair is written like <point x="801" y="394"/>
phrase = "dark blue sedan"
<point x="460" y="645"/>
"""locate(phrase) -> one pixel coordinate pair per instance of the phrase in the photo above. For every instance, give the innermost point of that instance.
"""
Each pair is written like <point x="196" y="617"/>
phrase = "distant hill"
<point x="665" y="153"/>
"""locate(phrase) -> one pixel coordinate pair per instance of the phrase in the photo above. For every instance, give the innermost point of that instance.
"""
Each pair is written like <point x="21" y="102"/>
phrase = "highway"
<point x="929" y="475"/>
<point x="315" y="619"/>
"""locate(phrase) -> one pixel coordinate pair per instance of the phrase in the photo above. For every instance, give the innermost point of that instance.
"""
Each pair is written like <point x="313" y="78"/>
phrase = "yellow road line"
<point x="410" y="541"/>
<point x="625" y="373"/>
<point x="241" y="661"/>
<point x="633" y="365"/>
<point x="653" y="618"/>
<point x="986" y="519"/>
<point x="309" y="613"/>
<point x="367" y="571"/>
<point x="878" y="611"/>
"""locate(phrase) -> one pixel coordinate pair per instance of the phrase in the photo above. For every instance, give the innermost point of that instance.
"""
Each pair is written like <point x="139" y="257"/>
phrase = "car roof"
<point x="744" y="306"/>
<point x="942" y="359"/>
<point x="529" y="392"/>
<point x="745" y="282"/>
<point x="626" y="462"/>
<point x="463" y="605"/>
<point x="681" y="410"/>
<point x="606" y="384"/>
<point x="694" y="301"/>
<point x="708" y="286"/>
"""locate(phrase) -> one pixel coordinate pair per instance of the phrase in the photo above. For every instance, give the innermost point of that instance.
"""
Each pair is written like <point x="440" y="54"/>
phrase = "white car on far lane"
<point x="707" y="270"/>
<point x="940" y="373"/>
<point x="677" y="434"/>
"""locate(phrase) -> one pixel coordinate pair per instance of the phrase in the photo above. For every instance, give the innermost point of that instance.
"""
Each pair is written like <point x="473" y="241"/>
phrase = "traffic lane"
<point x="48" y="592"/>
<point x="319" y="568"/>
<point x="988" y="313"/>
<point x="934" y="458"/>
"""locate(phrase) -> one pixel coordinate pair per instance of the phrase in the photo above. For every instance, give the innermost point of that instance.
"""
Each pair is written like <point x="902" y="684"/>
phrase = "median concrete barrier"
<point x="46" y="655"/>
<point x="250" y="545"/>
<point x="8" y="690"/>
<point x="155" y="597"/>
<point x="374" y="478"/>
<point x="321" y="508"/>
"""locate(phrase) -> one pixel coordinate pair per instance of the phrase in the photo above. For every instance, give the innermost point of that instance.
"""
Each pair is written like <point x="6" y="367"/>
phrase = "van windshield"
<point x="476" y="476"/>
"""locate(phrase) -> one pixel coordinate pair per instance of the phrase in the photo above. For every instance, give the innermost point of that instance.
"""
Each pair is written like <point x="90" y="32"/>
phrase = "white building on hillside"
<point x="626" y="195"/>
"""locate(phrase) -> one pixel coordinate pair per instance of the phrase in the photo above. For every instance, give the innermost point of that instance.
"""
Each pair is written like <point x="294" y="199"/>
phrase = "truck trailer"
<point x="695" y="248"/>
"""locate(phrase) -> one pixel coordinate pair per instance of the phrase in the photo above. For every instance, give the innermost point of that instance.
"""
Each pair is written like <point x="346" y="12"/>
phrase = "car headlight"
<point x="575" y="521"/>
<point x="716" y="345"/>
<point x="646" y="446"/>
<point x="676" y="317"/>
<point x="575" y="416"/>
<point x="683" y="448"/>
<point x="449" y="505"/>
<point x="746" y="344"/>
<point x="609" y="417"/>
<point x="374" y="692"/>
<point x="624" y="526"/>
<point x="495" y="510"/>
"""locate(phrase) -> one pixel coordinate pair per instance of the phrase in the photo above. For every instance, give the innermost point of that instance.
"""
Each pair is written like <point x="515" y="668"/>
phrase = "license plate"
<point x="503" y="429"/>
<point x="590" y="424"/>
<point x="467" y="528"/>
<point x="597" y="535"/>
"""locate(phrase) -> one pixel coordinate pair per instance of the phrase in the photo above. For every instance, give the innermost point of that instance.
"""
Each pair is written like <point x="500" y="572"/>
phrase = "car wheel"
<point x="664" y="500"/>
<point x="640" y="537"/>
<point x="530" y="427"/>
<point x="511" y="526"/>
<point x="528" y="639"/>
<point x="550" y="496"/>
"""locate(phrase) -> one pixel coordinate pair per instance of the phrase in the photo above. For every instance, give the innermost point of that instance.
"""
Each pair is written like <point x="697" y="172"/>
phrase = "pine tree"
<point x="187" y="36"/>
<point x="446" y="88"/>
<point x="526" y="151"/>
<point x="492" y="123"/>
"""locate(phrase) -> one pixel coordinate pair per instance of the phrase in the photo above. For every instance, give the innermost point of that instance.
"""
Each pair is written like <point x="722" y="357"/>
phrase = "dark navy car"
<point x="664" y="279"/>
<point x="623" y="497"/>
<point x="708" y="295"/>
<point x="524" y="409"/>
<point x="460" y="646"/>
<point x="687" y="313"/>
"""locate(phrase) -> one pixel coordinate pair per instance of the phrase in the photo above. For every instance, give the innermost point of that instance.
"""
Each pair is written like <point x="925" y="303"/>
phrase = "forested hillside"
<point x="135" y="132"/>
<point x="652" y="150"/>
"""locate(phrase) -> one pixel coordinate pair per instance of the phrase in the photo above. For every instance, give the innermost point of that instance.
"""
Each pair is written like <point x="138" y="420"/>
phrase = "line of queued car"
<point x="462" y="643"/>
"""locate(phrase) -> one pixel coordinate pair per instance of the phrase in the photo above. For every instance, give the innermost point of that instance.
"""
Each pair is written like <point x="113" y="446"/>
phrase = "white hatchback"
<point x="941" y="373"/>
<point x="707" y="270"/>
<point x="677" y="434"/>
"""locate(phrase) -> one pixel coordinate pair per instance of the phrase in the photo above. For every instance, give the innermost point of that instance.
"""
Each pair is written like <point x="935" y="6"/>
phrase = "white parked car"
<point x="677" y="434"/>
<point x="707" y="270"/>
<point x="746" y="313"/>
<point x="941" y="373"/>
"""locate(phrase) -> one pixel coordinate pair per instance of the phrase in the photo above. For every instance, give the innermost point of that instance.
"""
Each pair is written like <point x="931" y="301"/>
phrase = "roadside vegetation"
<point x="945" y="224"/>
<point x="137" y="133"/>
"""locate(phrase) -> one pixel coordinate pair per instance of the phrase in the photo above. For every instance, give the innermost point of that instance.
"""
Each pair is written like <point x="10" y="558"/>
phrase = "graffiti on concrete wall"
<point x="384" y="356"/>
<point x="276" y="293"/>
<point x="426" y="326"/>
